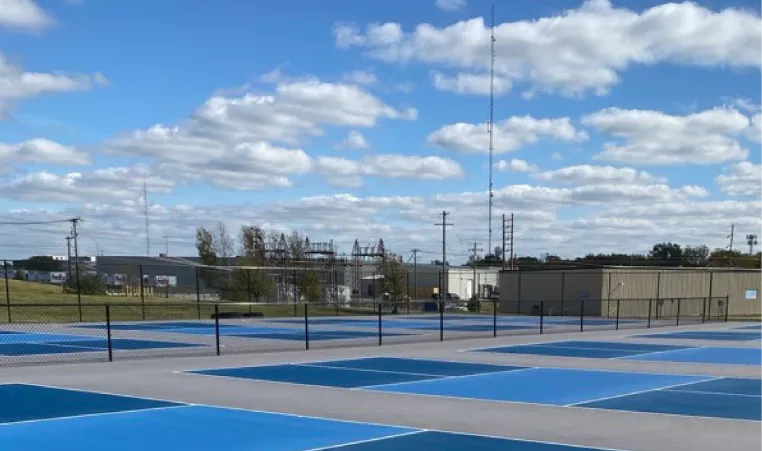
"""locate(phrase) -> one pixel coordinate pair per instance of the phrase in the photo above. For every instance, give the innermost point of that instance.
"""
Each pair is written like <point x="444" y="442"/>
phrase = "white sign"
<point x="752" y="294"/>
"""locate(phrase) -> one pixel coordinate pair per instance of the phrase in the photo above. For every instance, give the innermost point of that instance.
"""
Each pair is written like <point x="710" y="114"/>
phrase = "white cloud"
<point x="346" y="172"/>
<point x="354" y="140"/>
<point x="557" y="156"/>
<point x="470" y="83"/>
<point x="516" y="166"/>
<point x="654" y="137"/>
<point x="40" y="150"/>
<point x="742" y="179"/>
<point x="360" y="77"/>
<point x="23" y="15"/>
<point x="16" y="85"/>
<point x="755" y="128"/>
<point x="509" y="135"/>
<point x="405" y="86"/>
<point x="121" y="183"/>
<point x="450" y="5"/>
<point x="578" y="51"/>
<point x="587" y="174"/>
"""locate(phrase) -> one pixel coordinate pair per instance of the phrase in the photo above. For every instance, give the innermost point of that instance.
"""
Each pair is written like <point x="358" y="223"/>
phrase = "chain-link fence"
<point x="84" y="332"/>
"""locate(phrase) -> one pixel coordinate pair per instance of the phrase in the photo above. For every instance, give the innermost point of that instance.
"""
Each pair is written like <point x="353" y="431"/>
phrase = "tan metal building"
<point x="634" y="291"/>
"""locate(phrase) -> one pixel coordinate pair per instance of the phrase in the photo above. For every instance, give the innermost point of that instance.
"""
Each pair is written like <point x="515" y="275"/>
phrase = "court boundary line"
<point x="639" y="392"/>
<point x="95" y="414"/>
<point x="376" y="439"/>
<point x="714" y="393"/>
<point x="374" y="386"/>
<point x="372" y="423"/>
<point x="370" y="370"/>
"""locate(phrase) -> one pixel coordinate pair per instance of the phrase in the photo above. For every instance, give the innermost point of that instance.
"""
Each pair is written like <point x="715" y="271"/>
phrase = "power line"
<point x="56" y="221"/>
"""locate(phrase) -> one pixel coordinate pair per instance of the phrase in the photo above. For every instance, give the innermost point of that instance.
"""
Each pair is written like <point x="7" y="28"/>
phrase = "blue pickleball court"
<point x="13" y="343"/>
<point x="36" y="418"/>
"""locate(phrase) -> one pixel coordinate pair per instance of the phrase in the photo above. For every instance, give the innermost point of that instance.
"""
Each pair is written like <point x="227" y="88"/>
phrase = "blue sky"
<point x="670" y="87"/>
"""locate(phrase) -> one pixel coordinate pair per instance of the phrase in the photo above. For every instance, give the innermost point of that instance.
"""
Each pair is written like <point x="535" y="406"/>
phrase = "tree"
<point x="695" y="255"/>
<point x="310" y="286"/>
<point x="394" y="275"/>
<point x="669" y="254"/>
<point x="207" y="254"/>
<point x="223" y="244"/>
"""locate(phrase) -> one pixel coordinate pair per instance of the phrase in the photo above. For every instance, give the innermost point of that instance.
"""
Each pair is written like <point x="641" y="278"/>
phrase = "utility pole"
<point x="751" y="240"/>
<point x="732" y="235"/>
<point x="508" y="225"/>
<point x="474" y="287"/>
<point x="68" y="255"/>
<point x="415" y="271"/>
<point x="145" y="212"/>
<point x="444" y="225"/>
<point x="512" y="254"/>
<point x="74" y="222"/>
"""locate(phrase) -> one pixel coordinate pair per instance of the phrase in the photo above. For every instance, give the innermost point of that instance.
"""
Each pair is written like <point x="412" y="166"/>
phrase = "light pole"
<point x="751" y="240"/>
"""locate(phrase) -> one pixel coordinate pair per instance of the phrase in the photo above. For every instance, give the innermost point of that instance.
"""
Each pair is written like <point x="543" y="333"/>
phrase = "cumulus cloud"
<point x="577" y="51"/>
<point x="516" y="165"/>
<point x="509" y="135"/>
<point x="346" y="172"/>
<point x="587" y="174"/>
<point x="470" y="83"/>
<point x="40" y="150"/>
<point x="360" y="77"/>
<point x="16" y="84"/>
<point x="653" y="137"/>
<point x="23" y="15"/>
<point x="741" y="179"/>
<point x="354" y="140"/>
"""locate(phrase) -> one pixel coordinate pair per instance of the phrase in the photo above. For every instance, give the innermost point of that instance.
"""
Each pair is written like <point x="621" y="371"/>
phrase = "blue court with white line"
<point x="635" y="351"/>
<point x="686" y="395"/>
<point x="36" y="418"/>
<point x="31" y="343"/>
<point x="719" y="335"/>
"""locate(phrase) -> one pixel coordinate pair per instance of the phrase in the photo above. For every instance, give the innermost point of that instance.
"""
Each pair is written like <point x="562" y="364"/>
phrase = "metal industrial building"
<point x="666" y="289"/>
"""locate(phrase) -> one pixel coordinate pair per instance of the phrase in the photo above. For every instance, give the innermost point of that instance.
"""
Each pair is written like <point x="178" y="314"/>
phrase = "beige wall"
<point x="667" y="289"/>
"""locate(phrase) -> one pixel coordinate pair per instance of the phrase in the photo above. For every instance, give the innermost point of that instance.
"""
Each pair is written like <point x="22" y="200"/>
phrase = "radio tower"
<point x="491" y="120"/>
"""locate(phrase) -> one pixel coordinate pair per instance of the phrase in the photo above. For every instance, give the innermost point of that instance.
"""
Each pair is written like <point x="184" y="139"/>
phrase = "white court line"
<point x="370" y="370"/>
<point x="638" y="392"/>
<point x="98" y="414"/>
<point x="714" y="393"/>
<point x="377" y="439"/>
<point x="371" y="387"/>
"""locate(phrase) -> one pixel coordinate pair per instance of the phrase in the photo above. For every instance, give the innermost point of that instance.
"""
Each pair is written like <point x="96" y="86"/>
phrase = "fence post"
<point x="648" y="323"/>
<point x="108" y="333"/>
<point x="581" y="315"/>
<point x="7" y="289"/>
<point x="677" y="320"/>
<point x="494" y="317"/>
<point x="217" y="327"/>
<point x="727" y="307"/>
<point x="142" y="294"/>
<point x="198" y="295"/>
<point x="542" y="315"/>
<point x="380" y="320"/>
<point x="441" y="320"/>
<point x="306" y="327"/>
<point x="296" y="297"/>
<point x="703" y="311"/>
<point x="616" y="324"/>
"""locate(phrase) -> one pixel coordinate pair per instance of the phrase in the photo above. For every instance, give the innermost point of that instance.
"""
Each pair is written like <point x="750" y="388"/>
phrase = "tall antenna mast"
<point x="145" y="211"/>
<point x="491" y="121"/>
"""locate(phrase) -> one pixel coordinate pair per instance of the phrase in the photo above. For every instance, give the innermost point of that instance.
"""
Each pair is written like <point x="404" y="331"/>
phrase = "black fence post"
<point x="380" y="321"/>
<point x="727" y="307"/>
<point x="296" y="296"/>
<point x="709" y="310"/>
<point x="581" y="315"/>
<point x="248" y="288"/>
<point x="441" y="320"/>
<point x="677" y="319"/>
<point x="217" y="327"/>
<point x="306" y="327"/>
<point x="198" y="296"/>
<point x="616" y="324"/>
<point x="648" y="324"/>
<point x="142" y="293"/>
<point x="108" y="334"/>
<point x="494" y="317"/>
<point x="7" y="289"/>
<point x="542" y="315"/>
<point x="703" y="311"/>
